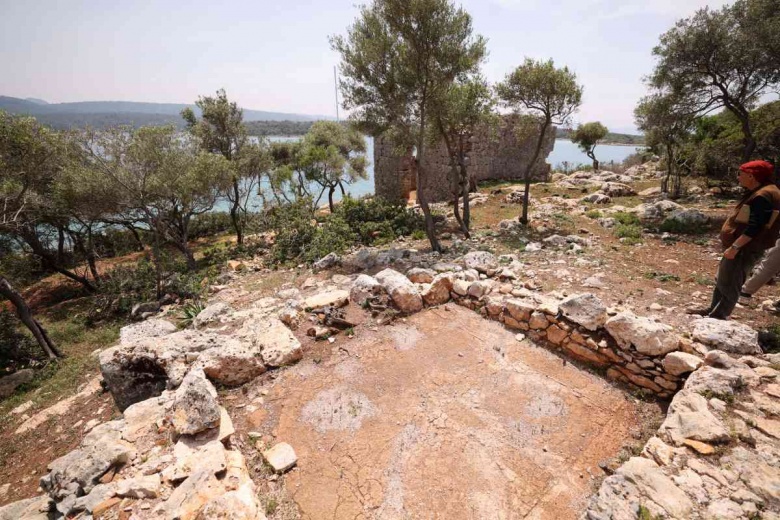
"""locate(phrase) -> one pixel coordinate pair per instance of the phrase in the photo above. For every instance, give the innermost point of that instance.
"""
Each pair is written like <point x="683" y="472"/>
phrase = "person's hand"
<point x="730" y="253"/>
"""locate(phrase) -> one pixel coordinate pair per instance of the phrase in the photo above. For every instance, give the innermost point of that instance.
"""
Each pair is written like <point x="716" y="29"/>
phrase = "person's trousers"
<point x="731" y="275"/>
<point x="768" y="267"/>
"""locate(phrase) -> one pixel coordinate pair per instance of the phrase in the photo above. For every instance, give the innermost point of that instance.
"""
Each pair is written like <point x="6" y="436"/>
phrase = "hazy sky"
<point x="274" y="55"/>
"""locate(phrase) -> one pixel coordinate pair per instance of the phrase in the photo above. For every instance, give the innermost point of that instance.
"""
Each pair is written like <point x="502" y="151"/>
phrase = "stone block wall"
<point x="496" y="154"/>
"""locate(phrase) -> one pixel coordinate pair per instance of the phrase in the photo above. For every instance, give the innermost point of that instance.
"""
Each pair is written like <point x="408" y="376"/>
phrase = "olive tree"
<point x="162" y="178"/>
<point x="464" y="107"/>
<point x="666" y="123"/>
<point x="397" y="59"/>
<point x="221" y="130"/>
<point x="587" y="136"/>
<point x="719" y="59"/>
<point x="332" y="155"/>
<point x="32" y="158"/>
<point x="549" y="94"/>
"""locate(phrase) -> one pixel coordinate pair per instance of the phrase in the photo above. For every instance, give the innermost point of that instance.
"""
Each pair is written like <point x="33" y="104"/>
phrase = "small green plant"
<point x="418" y="234"/>
<point x="627" y="219"/>
<point x="632" y="233"/>
<point x="190" y="310"/>
<point x="662" y="277"/>
<point x="672" y="225"/>
<point x="645" y="514"/>
<point x="350" y="331"/>
<point x="593" y="214"/>
<point x="702" y="280"/>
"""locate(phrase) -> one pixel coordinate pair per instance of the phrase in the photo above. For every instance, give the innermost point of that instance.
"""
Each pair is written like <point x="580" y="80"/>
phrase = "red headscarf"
<point x="760" y="170"/>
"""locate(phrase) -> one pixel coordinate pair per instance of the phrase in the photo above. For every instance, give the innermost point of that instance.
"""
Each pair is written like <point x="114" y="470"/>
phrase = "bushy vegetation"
<point x="303" y="237"/>
<point x="628" y="228"/>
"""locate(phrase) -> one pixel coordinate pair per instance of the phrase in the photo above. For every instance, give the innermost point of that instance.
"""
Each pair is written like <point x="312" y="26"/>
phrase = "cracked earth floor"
<point x="445" y="416"/>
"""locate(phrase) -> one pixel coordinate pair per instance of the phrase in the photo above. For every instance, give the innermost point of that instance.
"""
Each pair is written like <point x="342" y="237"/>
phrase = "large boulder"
<point x="365" y="288"/>
<point x="482" y="261"/>
<point x="647" y="336"/>
<point x="79" y="471"/>
<point x="36" y="508"/>
<point x="584" y="309"/>
<point x="640" y="481"/>
<point x="597" y="198"/>
<point x="403" y="292"/>
<point x="337" y="298"/>
<point x="195" y="405"/>
<point x="420" y="275"/>
<point x="689" y="417"/>
<point x="145" y="368"/>
<point x="233" y="363"/>
<point x="438" y="292"/>
<point x="276" y="343"/>
<point x="211" y="314"/>
<point x="686" y="219"/>
<point x="617" y="189"/>
<point x="679" y="363"/>
<point x="730" y="336"/>
<point x="327" y="261"/>
<point x="9" y="384"/>
<point x="153" y="328"/>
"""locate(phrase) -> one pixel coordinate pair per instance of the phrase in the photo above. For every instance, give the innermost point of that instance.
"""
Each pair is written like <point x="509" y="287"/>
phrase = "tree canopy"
<point x="587" y="136"/>
<point x="540" y="89"/>
<point x="397" y="60"/>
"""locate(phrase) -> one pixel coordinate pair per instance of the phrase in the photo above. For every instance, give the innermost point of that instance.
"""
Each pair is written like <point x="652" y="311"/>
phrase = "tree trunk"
<point x="421" y="198"/>
<point x="26" y="317"/>
<point x="331" y="190"/>
<point x="529" y="168"/>
<point x="234" y="211"/>
<point x="61" y="245"/>
<point x="139" y="243"/>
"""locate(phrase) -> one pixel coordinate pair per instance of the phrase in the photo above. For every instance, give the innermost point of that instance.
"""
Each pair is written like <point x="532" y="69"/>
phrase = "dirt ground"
<point x="445" y="415"/>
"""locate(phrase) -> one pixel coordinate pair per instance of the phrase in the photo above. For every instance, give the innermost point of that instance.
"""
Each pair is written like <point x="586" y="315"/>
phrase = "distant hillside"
<point x="101" y="114"/>
<point x="565" y="133"/>
<point x="265" y="128"/>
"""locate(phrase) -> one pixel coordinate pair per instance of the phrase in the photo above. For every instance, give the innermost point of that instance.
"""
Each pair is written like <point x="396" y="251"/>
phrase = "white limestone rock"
<point x="730" y="336"/>
<point x="403" y="292"/>
<point x="679" y="363"/>
<point x="365" y="288"/>
<point x="584" y="309"/>
<point x="281" y="457"/>
<point x="647" y="336"/>
<point x="689" y="417"/>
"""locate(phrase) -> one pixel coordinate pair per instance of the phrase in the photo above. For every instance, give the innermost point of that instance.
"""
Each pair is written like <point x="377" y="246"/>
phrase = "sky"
<point x="275" y="55"/>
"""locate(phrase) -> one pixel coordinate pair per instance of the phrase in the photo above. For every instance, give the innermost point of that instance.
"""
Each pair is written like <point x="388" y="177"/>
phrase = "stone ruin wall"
<point x="495" y="155"/>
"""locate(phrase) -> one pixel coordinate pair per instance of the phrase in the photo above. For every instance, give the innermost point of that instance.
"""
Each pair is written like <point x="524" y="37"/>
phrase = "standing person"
<point x="765" y="271"/>
<point x="751" y="229"/>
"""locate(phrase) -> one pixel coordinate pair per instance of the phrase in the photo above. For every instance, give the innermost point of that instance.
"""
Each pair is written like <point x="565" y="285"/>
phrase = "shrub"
<point x="209" y="224"/>
<point x="594" y="214"/>
<point x="17" y="349"/>
<point x="627" y="219"/>
<point x="377" y="220"/>
<point x="671" y="225"/>
<point x="632" y="233"/>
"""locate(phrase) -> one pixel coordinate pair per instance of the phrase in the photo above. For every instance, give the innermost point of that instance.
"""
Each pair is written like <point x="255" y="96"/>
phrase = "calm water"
<point x="564" y="150"/>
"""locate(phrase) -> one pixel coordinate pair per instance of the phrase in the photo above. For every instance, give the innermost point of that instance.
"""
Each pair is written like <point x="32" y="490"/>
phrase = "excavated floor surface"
<point x="445" y="415"/>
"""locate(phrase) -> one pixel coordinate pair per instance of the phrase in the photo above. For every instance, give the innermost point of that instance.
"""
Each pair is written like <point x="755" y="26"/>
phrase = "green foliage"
<point x="593" y="214"/>
<point x="300" y="237"/>
<point x="683" y="228"/>
<point x="545" y="92"/>
<point x="17" y="349"/>
<point x="377" y="219"/>
<point x="609" y="138"/>
<point x="627" y="219"/>
<point x="632" y="233"/>
<point x="587" y="136"/>
<point x="190" y="310"/>
<point x="277" y="128"/>
<point x="662" y="277"/>
<point x="210" y="224"/>
<point x="721" y="58"/>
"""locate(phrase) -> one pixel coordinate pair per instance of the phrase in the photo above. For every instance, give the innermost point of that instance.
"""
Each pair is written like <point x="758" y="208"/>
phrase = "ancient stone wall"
<point x="495" y="154"/>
